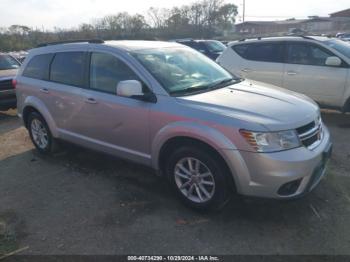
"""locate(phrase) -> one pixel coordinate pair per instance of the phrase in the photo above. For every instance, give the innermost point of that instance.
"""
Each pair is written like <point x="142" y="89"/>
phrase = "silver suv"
<point x="169" y="107"/>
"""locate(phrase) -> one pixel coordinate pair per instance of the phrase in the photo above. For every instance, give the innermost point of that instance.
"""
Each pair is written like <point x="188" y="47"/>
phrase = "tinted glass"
<point x="106" y="71"/>
<point x="201" y="46"/>
<point x="192" y="44"/>
<point x="215" y="46"/>
<point x="8" y="62"/>
<point x="68" y="68"/>
<point x="307" y="54"/>
<point x="265" y="52"/>
<point x="38" y="67"/>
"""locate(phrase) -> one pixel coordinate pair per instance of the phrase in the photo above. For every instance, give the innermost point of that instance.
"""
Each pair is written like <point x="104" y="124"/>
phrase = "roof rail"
<point x="90" y="41"/>
<point x="309" y="37"/>
<point x="182" y="40"/>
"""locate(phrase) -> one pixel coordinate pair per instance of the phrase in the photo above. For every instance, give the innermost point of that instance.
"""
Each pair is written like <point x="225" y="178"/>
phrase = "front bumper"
<point x="265" y="174"/>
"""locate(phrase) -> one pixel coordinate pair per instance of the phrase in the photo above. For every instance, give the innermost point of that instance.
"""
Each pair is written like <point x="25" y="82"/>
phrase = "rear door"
<point x="64" y="91"/>
<point x="306" y="72"/>
<point x="262" y="61"/>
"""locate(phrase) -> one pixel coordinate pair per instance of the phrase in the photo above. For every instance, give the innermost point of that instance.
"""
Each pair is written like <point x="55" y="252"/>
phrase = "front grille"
<point x="305" y="128"/>
<point x="311" y="134"/>
<point x="6" y="85"/>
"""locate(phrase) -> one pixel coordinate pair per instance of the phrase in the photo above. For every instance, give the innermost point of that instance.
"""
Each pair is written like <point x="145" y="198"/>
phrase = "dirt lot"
<point x="82" y="202"/>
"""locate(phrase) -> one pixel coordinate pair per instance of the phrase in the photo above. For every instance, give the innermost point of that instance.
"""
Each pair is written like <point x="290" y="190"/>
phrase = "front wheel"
<point x="198" y="178"/>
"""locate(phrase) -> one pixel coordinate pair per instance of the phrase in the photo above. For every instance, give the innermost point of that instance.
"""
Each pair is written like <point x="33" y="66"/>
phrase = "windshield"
<point x="215" y="46"/>
<point x="341" y="46"/>
<point x="183" y="71"/>
<point x="8" y="62"/>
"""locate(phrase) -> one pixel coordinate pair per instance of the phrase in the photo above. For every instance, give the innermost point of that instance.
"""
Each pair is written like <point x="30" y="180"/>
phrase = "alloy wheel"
<point x="39" y="133"/>
<point x="194" y="179"/>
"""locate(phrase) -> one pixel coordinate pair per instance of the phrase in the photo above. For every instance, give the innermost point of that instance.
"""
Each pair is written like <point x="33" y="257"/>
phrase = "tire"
<point x="211" y="175"/>
<point x="40" y="134"/>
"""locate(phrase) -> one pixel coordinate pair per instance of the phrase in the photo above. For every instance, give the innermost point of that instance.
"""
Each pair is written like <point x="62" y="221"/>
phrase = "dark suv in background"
<point x="210" y="48"/>
<point x="8" y="70"/>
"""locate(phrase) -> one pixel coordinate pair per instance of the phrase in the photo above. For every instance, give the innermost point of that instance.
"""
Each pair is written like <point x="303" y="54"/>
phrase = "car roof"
<point x="126" y="45"/>
<point x="133" y="45"/>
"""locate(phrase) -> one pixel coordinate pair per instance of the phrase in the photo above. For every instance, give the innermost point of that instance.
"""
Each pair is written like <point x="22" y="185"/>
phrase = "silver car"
<point x="169" y="107"/>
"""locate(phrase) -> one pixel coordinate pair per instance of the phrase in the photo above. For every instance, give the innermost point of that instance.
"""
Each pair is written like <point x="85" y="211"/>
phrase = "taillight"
<point x="14" y="83"/>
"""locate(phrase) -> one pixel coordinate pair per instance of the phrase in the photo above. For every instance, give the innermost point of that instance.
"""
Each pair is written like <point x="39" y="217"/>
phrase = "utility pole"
<point x="243" y="11"/>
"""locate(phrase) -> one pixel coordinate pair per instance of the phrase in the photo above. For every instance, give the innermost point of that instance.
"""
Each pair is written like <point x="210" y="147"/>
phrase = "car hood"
<point x="255" y="102"/>
<point x="6" y="74"/>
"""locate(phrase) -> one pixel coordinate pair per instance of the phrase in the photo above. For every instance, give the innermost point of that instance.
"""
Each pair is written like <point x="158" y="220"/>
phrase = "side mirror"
<point x="133" y="89"/>
<point x="333" y="61"/>
<point x="129" y="88"/>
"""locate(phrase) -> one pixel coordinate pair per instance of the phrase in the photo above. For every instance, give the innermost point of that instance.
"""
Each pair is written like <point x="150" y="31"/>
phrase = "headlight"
<point x="273" y="141"/>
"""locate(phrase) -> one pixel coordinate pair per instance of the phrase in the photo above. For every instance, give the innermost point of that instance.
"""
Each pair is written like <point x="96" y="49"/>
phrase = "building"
<point x="343" y="13"/>
<point x="336" y="22"/>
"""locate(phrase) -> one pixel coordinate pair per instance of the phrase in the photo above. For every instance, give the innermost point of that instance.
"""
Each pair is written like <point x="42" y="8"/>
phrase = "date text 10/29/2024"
<point x="173" y="258"/>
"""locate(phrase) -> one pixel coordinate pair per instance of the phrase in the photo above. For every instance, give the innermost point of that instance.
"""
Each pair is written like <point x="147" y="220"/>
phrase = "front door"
<point x="306" y="72"/>
<point x="115" y="124"/>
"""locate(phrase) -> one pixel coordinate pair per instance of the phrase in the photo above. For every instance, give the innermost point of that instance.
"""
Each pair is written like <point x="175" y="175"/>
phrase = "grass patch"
<point x="8" y="241"/>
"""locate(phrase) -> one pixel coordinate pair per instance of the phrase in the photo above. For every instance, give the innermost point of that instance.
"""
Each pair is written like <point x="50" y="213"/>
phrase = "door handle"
<point x="90" y="100"/>
<point x="246" y="70"/>
<point x="44" y="90"/>
<point x="291" y="73"/>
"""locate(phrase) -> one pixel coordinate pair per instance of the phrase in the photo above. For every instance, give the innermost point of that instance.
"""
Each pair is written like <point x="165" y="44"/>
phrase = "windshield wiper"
<point x="223" y="83"/>
<point x="190" y="90"/>
<point x="209" y="87"/>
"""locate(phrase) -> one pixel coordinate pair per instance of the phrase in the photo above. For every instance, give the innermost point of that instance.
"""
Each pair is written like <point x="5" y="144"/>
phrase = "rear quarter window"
<point x="38" y="67"/>
<point x="264" y="52"/>
<point x="68" y="68"/>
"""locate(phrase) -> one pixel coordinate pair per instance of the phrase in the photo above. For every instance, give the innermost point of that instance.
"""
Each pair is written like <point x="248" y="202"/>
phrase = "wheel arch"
<point x="190" y="134"/>
<point x="33" y="104"/>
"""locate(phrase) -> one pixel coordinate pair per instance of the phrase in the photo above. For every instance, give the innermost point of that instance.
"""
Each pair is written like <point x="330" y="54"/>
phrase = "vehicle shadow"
<point x="9" y="121"/>
<point x="336" y="119"/>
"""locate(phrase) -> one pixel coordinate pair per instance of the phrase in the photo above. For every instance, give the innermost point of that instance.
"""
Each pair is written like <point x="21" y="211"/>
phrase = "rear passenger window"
<point x="264" y="52"/>
<point x="68" y="68"/>
<point x="38" y="67"/>
<point x="106" y="71"/>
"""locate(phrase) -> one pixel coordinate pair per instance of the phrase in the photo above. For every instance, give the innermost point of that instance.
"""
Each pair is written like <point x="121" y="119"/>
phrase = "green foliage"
<point x="202" y="19"/>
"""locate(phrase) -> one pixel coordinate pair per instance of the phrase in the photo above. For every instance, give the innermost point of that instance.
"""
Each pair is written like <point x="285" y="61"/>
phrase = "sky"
<point x="48" y="14"/>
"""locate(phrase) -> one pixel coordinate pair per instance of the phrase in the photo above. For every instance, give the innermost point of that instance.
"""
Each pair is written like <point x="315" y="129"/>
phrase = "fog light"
<point x="289" y="188"/>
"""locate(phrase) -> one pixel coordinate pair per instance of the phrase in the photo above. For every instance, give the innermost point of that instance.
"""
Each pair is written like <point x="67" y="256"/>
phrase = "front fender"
<point x="193" y="130"/>
<point x="42" y="109"/>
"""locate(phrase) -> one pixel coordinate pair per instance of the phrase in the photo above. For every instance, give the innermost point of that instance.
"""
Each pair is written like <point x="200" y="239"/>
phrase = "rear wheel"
<point x="40" y="134"/>
<point x="198" y="178"/>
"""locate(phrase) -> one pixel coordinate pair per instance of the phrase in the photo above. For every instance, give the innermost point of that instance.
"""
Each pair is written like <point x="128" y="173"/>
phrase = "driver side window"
<point x="106" y="71"/>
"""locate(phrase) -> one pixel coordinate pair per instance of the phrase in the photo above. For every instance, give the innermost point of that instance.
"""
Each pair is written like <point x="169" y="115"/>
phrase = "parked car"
<point x="169" y="107"/>
<point x="296" y="31"/>
<point x="344" y="36"/>
<point x="318" y="67"/>
<point x="210" y="48"/>
<point x="8" y="70"/>
<point x="19" y="56"/>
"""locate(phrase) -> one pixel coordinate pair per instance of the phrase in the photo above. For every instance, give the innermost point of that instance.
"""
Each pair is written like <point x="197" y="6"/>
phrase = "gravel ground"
<point x="83" y="202"/>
